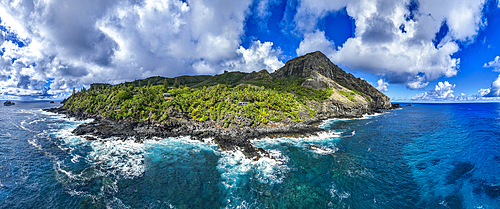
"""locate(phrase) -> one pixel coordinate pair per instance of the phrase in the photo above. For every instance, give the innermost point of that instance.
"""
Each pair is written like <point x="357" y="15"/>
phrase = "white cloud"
<point x="442" y="91"/>
<point x="382" y="86"/>
<point x="202" y="67"/>
<point x="81" y="42"/>
<point x="462" y="97"/>
<point x="380" y="47"/>
<point x="315" y="41"/>
<point x="416" y="82"/>
<point x="482" y="92"/>
<point x="493" y="64"/>
<point x="310" y="11"/>
<point x="494" y="90"/>
<point x="262" y="11"/>
<point x="259" y="56"/>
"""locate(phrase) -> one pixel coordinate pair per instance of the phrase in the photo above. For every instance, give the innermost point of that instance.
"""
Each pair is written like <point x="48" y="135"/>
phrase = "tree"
<point x="74" y="91"/>
<point x="176" y="83"/>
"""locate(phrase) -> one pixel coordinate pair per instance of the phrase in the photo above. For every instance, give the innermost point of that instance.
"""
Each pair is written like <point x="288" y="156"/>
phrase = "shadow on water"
<point x="461" y="170"/>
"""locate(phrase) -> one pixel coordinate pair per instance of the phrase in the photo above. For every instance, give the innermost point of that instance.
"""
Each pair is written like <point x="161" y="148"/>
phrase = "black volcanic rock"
<point x="318" y="62"/>
<point x="396" y="105"/>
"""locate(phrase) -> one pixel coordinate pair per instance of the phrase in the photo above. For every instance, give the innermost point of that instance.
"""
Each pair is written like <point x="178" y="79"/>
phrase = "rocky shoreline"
<point x="225" y="138"/>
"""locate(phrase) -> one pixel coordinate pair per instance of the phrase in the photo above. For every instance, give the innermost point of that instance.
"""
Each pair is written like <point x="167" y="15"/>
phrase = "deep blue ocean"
<point x="424" y="156"/>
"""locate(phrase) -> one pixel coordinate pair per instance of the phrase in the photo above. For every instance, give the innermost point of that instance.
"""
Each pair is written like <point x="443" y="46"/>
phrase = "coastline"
<point x="225" y="138"/>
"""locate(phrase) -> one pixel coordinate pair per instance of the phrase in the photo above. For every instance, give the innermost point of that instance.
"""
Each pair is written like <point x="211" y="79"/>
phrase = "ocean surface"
<point x="425" y="156"/>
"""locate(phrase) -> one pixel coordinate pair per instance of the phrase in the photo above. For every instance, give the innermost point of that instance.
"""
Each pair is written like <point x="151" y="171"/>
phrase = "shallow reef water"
<point x="424" y="156"/>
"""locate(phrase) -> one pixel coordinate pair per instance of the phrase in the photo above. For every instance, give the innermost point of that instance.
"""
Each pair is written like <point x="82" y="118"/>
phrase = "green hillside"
<point x="227" y="100"/>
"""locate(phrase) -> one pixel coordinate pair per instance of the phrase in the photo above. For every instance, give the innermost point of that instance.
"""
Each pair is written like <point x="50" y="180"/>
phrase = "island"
<point x="231" y="108"/>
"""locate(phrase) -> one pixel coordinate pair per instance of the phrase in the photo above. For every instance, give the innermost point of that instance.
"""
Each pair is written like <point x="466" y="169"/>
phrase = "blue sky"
<point x="413" y="50"/>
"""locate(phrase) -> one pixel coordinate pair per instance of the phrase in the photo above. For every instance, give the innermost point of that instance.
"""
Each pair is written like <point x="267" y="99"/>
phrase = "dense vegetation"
<point x="216" y="99"/>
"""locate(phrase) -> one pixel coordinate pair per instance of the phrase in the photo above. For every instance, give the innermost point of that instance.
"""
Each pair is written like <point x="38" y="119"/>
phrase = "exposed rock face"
<point x="322" y="73"/>
<point x="263" y="74"/>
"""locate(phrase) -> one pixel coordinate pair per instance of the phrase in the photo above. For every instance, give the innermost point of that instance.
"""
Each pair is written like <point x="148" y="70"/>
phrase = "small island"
<point x="231" y="108"/>
<point x="8" y="103"/>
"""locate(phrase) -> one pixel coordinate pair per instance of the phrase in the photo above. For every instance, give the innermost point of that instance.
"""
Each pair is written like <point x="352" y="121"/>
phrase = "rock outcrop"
<point x="322" y="73"/>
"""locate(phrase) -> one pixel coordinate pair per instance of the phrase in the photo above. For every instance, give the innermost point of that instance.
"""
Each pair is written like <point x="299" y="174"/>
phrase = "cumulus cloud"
<point x="397" y="39"/>
<point x="259" y="56"/>
<point x="482" y="92"/>
<point x="81" y="42"/>
<point x="382" y="86"/>
<point x="495" y="64"/>
<point x="442" y="91"/>
<point x="494" y="90"/>
<point x="315" y="41"/>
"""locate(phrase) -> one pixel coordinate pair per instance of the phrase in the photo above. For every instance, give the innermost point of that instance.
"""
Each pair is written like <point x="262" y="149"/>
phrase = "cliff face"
<point x="322" y="73"/>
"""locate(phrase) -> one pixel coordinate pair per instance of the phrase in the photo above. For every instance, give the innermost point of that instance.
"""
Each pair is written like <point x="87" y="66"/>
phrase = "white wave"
<point x="75" y="158"/>
<point x="63" y="117"/>
<point x="327" y="122"/>
<point x="41" y="111"/>
<point x="323" y="150"/>
<point x="115" y="203"/>
<point x="124" y="159"/>
<point x="319" y="144"/>
<point x="324" y="136"/>
<point x="36" y="121"/>
<point x="25" y="111"/>
<point x="33" y="142"/>
<point x="68" y="174"/>
<point x="207" y="143"/>
<point x="268" y="170"/>
<point x="74" y="192"/>
<point x="22" y="126"/>
<point x="74" y="121"/>
<point x="234" y="165"/>
<point x="5" y="134"/>
<point x="337" y="194"/>
<point x="68" y="139"/>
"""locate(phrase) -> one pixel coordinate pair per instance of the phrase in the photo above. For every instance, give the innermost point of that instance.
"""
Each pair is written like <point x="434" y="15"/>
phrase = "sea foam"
<point x="328" y="122"/>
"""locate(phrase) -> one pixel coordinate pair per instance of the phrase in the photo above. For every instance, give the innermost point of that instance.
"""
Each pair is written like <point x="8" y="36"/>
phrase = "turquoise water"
<point x="426" y="156"/>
